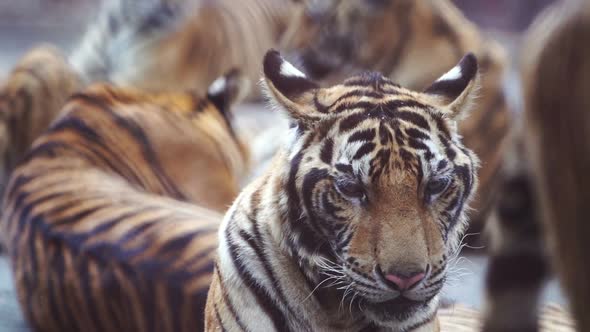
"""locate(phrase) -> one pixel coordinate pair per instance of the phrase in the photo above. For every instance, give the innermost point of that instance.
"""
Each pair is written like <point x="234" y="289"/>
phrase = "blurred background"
<point x="25" y="23"/>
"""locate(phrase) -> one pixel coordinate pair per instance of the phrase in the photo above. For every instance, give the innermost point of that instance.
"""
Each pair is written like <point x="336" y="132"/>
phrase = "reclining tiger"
<point x="110" y="220"/>
<point x="352" y="227"/>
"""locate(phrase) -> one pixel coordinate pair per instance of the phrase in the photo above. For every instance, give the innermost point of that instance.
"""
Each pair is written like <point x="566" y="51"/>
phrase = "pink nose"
<point x="404" y="283"/>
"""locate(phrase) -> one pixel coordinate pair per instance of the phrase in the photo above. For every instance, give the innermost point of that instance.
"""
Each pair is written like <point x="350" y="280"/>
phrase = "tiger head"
<point x="377" y="184"/>
<point x="396" y="38"/>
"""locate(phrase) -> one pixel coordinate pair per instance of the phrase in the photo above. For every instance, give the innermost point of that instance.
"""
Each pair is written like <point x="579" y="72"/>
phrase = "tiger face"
<point x="378" y="183"/>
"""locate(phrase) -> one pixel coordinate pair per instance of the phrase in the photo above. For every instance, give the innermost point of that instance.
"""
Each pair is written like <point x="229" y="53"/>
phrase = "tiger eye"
<point x="350" y="188"/>
<point x="434" y="188"/>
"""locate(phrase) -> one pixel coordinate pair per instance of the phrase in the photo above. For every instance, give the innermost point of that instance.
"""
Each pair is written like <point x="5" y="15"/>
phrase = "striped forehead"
<point x="378" y="119"/>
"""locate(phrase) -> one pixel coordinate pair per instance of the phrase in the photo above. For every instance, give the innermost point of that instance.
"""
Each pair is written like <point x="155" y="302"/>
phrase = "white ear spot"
<point x="217" y="86"/>
<point x="288" y="69"/>
<point x="452" y="74"/>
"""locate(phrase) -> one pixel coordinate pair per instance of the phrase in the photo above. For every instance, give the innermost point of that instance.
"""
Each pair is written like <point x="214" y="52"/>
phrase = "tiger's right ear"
<point x="228" y="90"/>
<point x="289" y="88"/>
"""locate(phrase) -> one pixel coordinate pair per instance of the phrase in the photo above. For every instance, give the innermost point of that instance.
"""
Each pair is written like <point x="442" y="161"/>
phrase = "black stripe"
<point x="413" y="118"/>
<point x="88" y="299"/>
<point x="263" y="299"/>
<point x="262" y="257"/>
<point x="347" y="106"/>
<point x="134" y="130"/>
<point x="415" y="133"/>
<point x="344" y="168"/>
<point x="364" y="150"/>
<point x="358" y="93"/>
<point x="442" y="127"/>
<point x="327" y="151"/>
<point x="363" y="135"/>
<point x="112" y="159"/>
<point x="351" y="122"/>
<point x="227" y="300"/>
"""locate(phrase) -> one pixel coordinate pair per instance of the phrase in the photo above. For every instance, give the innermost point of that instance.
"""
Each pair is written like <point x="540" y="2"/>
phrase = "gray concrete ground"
<point x="465" y="286"/>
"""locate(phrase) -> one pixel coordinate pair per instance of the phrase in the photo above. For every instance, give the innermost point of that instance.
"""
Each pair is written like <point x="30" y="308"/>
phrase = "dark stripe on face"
<point x="327" y="151"/>
<point x="415" y="133"/>
<point x="263" y="299"/>
<point x="364" y="150"/>
<point x="384" y="134"/>
<point x="362" y="136"/>
<point x="449" y="152"/>
<point x="393" y="106"/>
<point x="345" y="106"/>
<point x="413" y="118"/>
<point x="344" y="168"/>
<point x="351" y="122"/>
<point x="442" y="127"/>
<point x="418" y="145"/>
<point x="357" y="94"/>
<point x="299" y="225"/>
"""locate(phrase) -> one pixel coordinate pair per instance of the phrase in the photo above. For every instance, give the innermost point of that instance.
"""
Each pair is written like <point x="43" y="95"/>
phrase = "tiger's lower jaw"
<point x="400" y="314"/>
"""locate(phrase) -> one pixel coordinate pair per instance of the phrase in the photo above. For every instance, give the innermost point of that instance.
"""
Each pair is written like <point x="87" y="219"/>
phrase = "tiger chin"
<point x="352" y="227"/>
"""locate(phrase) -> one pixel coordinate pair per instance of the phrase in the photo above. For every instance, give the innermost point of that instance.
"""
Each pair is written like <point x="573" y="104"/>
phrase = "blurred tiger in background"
<point x="30" y="98"/>
<point x="111" y="219"/>
<point x="543" y="209"/>
<point x="412" y="42"/>
<point x="180" y="44"/>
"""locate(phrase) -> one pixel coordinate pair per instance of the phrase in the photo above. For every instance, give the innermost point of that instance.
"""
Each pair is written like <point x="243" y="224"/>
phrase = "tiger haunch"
<point x="110" y="221"/>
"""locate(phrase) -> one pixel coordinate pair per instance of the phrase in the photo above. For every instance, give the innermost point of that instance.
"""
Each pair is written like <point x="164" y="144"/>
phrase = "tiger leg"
<point x="518" y="267"/>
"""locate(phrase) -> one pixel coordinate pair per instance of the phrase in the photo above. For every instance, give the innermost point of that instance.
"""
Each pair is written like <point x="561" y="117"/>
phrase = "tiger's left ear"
<point x="455" y="90"/>
<point x="289" y="88"/>
<point x="228" y="90"/>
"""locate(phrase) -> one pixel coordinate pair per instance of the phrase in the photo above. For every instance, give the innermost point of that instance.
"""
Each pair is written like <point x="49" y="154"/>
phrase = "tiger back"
<point x="30" y="98"/>
<point x="110" y="221"/>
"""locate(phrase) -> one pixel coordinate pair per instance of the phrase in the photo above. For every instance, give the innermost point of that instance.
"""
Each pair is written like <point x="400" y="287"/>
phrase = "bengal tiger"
<point x="110" y="221"/>
<point x="30" y="98"/>
<point x="412" y="42"/>
<point x="181" y="44"/>
<point x="352" y="226"/>
<point x="543" y="211"/>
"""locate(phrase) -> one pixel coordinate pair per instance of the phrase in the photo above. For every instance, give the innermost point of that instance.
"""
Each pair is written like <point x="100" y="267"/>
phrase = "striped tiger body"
<point x="160" y="44"/>
<point x="30" y="98"/>
<point x="111" y="219"/>
<point x="412" y="42"/>
<point x="543" y="209"/>
<point x="352" y="227"/>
